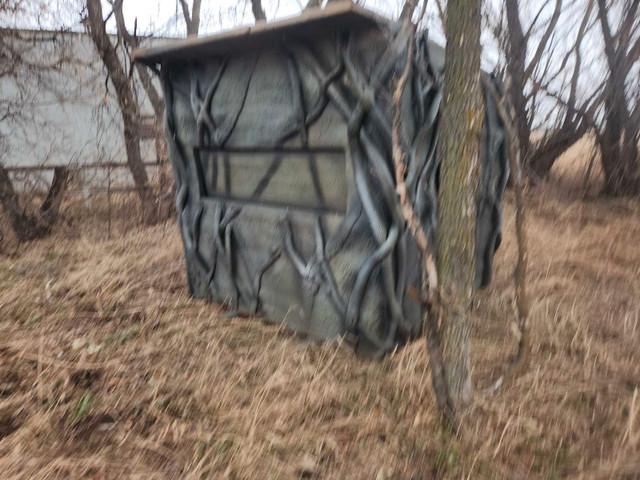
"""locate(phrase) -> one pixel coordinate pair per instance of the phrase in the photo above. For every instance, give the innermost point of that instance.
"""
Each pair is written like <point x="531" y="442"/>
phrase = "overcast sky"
<point x="164" y="18"/>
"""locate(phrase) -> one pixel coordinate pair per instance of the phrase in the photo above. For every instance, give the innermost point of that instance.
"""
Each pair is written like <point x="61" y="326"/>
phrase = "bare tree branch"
<point x="32" y="226"/>
<point x="442" y="14"/>
<point x="132" y="41"/>
<point x="607" y="36"/>
<point x="578" y="63"/>
<point x="520" y="275"/>
<point x="535" y="20"/>
<point x="191" y="19"/>
<point x="545" y="38"/>
<point x="625" y="31"/>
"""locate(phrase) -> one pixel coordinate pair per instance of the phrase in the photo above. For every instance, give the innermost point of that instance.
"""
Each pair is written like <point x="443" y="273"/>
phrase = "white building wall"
<point x="71" y="115"/>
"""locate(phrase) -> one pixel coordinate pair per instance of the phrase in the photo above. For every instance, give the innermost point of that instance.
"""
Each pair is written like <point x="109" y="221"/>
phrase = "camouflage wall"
<point x="286" y="201"/>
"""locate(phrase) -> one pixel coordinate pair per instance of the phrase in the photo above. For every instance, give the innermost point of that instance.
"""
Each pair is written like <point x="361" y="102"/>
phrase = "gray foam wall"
<point x="283" y="167"/>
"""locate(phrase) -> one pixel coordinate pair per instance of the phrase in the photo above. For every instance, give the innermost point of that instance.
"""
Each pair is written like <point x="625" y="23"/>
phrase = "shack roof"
<point x="311" y="23"/>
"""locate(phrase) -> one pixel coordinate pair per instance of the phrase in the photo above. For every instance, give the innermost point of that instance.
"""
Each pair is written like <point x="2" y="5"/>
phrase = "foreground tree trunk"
<point x="462" y="117"/>
<point x="127" y="103"/>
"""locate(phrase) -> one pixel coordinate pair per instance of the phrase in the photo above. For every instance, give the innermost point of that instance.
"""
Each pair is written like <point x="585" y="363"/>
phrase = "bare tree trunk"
<point x="26" y="226"/>
<point x="619" y="159"/>
<point x="618" y="146"/>
<point x="429" y="297"/>
<point x="127" y="103"/>
<point x="516" y="67"/>
<point x="258" y="11"/>
<point x="132" y="41"/>
<point x="462" y="117"/>
<point x="542" y="157"/>
<point x="191" y="19"/>
<point x="619" y="136"/>
<point x="9" y="200"/>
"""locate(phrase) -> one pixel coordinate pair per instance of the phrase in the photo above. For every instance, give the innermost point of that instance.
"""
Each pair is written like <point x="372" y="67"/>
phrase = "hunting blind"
<point x="280" y="142"/>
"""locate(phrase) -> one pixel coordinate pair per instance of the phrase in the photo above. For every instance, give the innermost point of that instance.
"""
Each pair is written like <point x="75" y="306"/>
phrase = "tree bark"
<point x="258" y="11"/>
<point x="429" y="297"/>
<point x="462" y="117"/>
<point x="127" y="103"/>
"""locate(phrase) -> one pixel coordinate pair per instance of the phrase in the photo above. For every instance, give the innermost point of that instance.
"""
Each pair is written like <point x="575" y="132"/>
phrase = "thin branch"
<point x="408" y="8"/>
<point x="545" y="39"/>
<point x="132" y="41"/>
<point x="527" y="35"/>
<point x="634" y="53"/>
<point x="626" y="28"/>
<point x="521" y="362"/>
<point x="442" y="14"/>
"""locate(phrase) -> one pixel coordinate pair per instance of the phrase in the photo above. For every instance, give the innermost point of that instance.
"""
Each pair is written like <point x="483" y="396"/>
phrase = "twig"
<point x="515" y="368"/>
<point x="39" y="369"/>
<point x="431" y="293"/>
<point x="44" y="360"/>
<point x="587" y="175"/>
<point x="443" y="15"/>
<point x="109" y="202"/>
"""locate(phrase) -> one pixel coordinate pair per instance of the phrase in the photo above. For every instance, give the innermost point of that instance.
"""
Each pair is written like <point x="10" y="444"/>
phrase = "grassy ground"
<point x="109" y="370"/>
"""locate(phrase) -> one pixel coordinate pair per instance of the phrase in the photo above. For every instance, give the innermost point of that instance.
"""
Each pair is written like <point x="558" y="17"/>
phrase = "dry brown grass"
<point x="178" y="390"/>
<point x="571" y="171"/>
